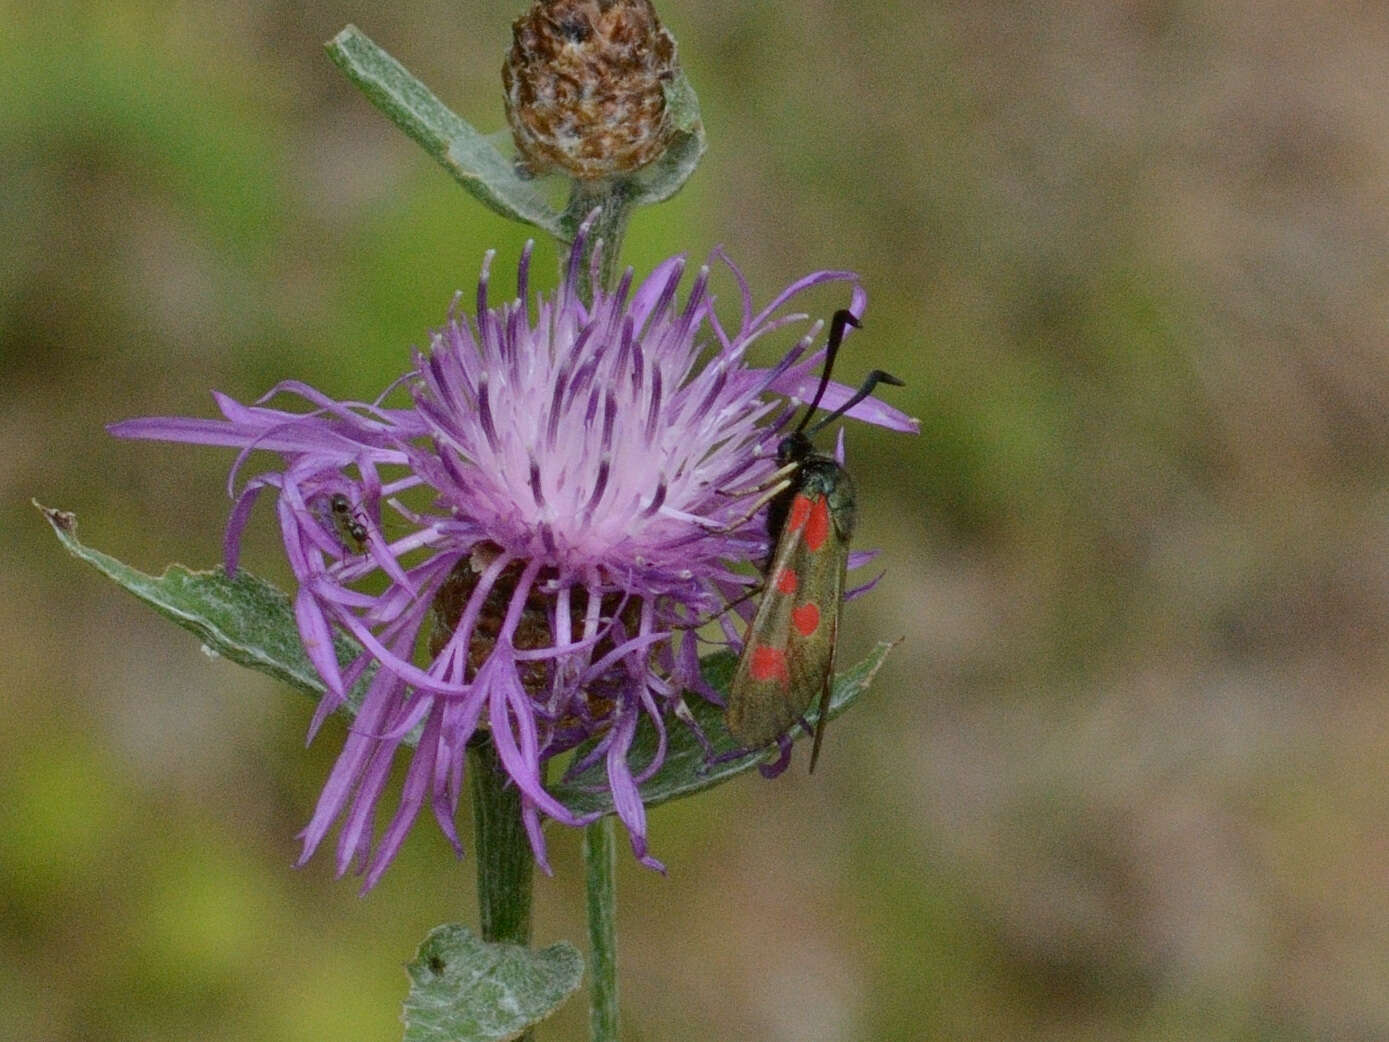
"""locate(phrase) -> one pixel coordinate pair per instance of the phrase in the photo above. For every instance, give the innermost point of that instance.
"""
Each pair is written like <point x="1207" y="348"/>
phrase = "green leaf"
<point x="240" y="617"/>
<point x="249" y="621"/>
<point x="687" y="768"/>
<point x="463" y="989"/>
<point x="668" y="174"/>
<point x="462" y="150"/>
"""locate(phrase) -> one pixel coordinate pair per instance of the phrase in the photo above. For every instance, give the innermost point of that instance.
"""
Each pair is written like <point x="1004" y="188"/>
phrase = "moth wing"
<point x="761" y="701"/>
<point x="828" y="645"/>
<point x="788" y="654"/>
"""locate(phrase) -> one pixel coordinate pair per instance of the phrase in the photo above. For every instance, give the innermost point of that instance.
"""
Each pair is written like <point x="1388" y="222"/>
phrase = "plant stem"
<point x="504" y="861"/>
<point x="614" y="202"/>
<point x="601" y="864"/>
<point x="613" y="199"/>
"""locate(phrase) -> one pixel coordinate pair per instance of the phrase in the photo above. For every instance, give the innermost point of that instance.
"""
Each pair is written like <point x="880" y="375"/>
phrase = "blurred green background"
<point x="1124" y="779"/>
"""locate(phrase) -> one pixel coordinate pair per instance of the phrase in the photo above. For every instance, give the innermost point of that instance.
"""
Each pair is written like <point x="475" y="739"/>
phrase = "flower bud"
<point x="584" y="86"/>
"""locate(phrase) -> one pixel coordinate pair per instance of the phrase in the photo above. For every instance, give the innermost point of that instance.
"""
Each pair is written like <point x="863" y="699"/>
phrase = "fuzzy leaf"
<point x="668" y="174"/>
<point x="687" y="768"/>
<point x="464" y="152"/>
<point x="463" y="989"/>
<point x="240" y="617"/>
<point x="249" y="621"/>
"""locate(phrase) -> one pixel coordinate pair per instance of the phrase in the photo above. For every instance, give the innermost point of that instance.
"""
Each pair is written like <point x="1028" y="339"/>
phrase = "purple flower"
<point x="540" y="526"/>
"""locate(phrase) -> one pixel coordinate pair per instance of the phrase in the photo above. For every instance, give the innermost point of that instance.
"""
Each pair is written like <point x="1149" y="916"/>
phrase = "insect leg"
<point x="774" y="486"/>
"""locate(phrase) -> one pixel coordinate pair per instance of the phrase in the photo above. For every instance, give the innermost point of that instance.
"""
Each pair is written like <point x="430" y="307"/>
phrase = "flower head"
<point x="522" y="548"/>
<point x="585" y="85"/>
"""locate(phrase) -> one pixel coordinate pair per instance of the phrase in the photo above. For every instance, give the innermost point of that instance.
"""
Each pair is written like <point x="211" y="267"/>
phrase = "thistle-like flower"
<point x="523" y="547"/>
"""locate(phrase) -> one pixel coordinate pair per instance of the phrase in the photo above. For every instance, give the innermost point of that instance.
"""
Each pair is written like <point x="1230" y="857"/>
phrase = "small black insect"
<point x="348" y="526"/>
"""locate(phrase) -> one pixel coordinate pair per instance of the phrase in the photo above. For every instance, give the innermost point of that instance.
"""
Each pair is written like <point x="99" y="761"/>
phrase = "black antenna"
<point x="877" y="376"/>
<point x="842" y="319"/>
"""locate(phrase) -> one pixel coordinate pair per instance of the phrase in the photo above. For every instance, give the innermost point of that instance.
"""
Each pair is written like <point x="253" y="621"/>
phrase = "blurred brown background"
<point x="1125" y="779"/>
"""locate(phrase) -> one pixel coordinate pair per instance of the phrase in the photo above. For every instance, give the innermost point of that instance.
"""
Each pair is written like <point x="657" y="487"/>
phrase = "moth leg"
<point x="774" y="486"/>
<point x="752" y="592"/>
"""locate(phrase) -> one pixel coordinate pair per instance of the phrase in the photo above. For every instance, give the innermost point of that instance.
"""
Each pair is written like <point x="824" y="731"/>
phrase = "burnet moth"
<point x="788" y="653"/>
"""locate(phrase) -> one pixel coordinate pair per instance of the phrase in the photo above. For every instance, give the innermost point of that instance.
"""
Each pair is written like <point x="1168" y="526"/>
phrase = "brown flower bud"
<point x="583" y="86"/>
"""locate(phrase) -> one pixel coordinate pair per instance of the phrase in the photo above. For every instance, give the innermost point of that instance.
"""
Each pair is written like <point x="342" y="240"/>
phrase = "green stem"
<point x="614" y="201"/>
<point x="601" y="863"/>
<point x="504" y="861"/>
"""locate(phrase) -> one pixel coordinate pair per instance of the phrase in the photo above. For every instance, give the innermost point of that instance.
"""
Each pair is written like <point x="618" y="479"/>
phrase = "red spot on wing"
<point x="769" y="664"/>
<point x="800" y="512"/>
<point x="786" y="581"/>
<point x="806" y="618"/>
<point x="817" y="527"/>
